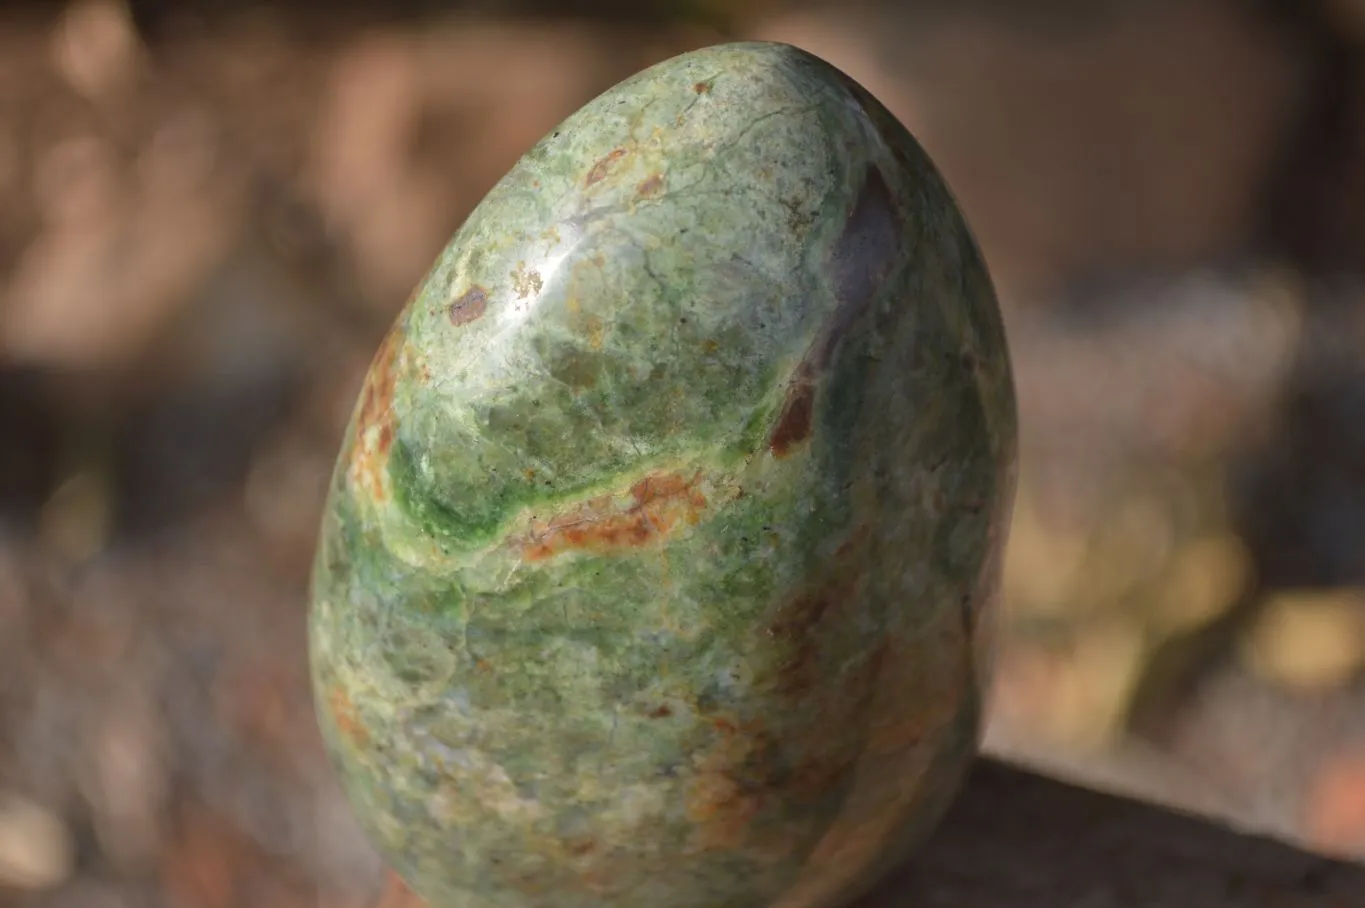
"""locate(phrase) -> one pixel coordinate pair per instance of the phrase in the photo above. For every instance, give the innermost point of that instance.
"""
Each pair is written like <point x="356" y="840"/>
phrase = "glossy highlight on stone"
<point x="659" y="561"/>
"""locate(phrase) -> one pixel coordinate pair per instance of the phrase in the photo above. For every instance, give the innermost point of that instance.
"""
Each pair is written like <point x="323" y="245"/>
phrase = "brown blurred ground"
<point x="209" y="214"/>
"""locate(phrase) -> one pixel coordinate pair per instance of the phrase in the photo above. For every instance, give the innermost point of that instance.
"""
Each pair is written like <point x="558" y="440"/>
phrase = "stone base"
<point x="1020" y="840"/>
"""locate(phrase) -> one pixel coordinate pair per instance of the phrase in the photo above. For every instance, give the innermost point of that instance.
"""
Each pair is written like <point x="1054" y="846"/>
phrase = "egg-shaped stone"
<point x="660" y="557"/>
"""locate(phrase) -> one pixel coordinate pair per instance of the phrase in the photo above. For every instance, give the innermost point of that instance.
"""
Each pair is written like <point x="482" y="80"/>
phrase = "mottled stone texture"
<point x="660" y="556"/>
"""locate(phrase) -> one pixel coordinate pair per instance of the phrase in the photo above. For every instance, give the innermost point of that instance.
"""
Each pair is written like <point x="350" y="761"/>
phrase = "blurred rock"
<point x="118" y="253"/>
<point x="36" y="850"/>
<point x="1335" y="809"/>
<point x="75" y="521"/>
<point x="284" y="493"/>
<point x="1308" y="641"/>
<point x="1210" y="576"/>
<point x="203" y="868"/>
<point x="96" y="47"/>
<point x="365" y="178"/>
<point x="1302" y="492"/>
<point x="1348" y="16"/>
<point x="218" y="379"/>
<point x="1266" y="746"/>
<point x="345" y="863"/>
<point x="1133" y="394"/>
<point x="1179" y="366"/>
<point x="91" y="894"/>
<point x="31" y="439"/>
<point x="128" y="782"/>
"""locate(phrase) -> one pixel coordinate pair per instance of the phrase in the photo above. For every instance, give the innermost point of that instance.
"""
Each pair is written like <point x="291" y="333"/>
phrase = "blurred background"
<point x="211" y="210"/>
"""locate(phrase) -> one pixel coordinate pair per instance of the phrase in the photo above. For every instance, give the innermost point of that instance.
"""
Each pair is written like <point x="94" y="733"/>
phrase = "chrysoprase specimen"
<point x="659" y="562"/>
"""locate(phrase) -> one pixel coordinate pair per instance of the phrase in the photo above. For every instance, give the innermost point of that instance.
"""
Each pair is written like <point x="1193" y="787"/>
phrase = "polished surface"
<point x="660" y="557"/>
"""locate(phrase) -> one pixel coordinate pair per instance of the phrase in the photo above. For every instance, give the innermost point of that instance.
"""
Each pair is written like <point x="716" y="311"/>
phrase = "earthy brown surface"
<point x="1017" y="840"/>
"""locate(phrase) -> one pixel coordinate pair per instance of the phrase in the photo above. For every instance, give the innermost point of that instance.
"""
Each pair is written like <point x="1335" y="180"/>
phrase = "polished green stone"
<point x="660" y="557"/>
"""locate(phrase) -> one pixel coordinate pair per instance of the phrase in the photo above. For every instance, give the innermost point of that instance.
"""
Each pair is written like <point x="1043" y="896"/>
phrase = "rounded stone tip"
<point x="660" y="559"/>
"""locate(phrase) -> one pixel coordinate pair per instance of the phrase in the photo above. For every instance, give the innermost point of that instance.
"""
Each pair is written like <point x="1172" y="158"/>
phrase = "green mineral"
<point x="660" y="558"/>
